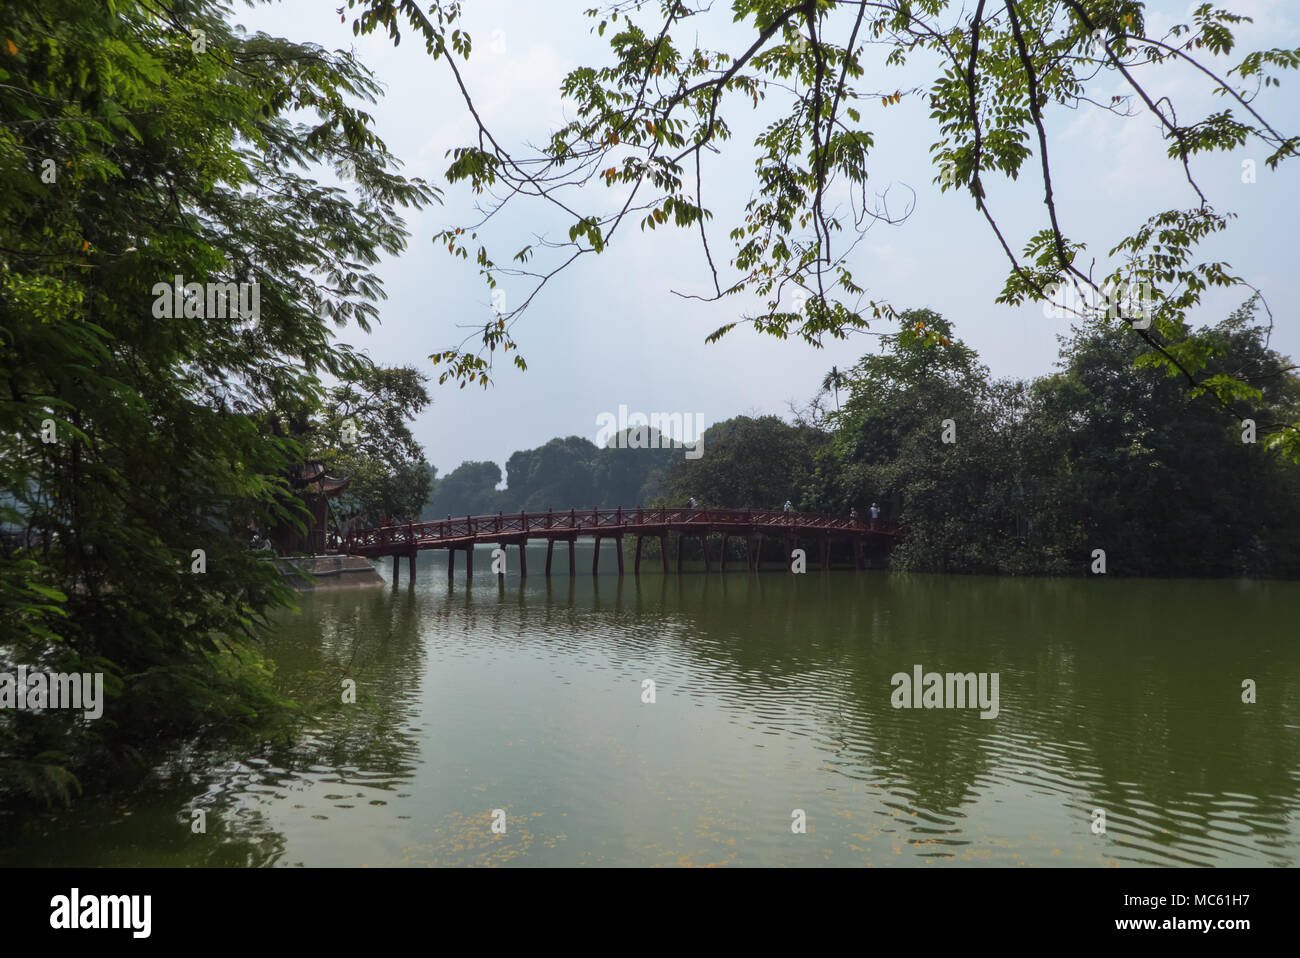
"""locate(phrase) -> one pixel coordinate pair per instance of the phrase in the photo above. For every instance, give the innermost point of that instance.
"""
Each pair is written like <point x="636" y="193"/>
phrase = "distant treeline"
<point x="563" y="474"/>
<point x="1106" y="453"/>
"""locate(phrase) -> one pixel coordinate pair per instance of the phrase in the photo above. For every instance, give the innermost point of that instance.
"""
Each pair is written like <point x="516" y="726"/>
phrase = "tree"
<point x="923" y="373"/>
<point x="832" y="382"/>
<point x="1000" y="76"/>
<point x="140" y="143"/>
<point x="559" y="474"/>
<point x="1153" y="475"/>
<point x="750" y="463"/>
<point x="431" y="478"/>
<point x="926" y="433"/>
<point x="468" y="490"/>
<point x="634" y="473"/>
<point x="363" y="434"/>
<point x="1028" y="478"/>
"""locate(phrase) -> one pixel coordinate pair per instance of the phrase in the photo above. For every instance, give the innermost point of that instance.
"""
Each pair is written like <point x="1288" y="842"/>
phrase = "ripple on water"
<point x="772" y="694"/>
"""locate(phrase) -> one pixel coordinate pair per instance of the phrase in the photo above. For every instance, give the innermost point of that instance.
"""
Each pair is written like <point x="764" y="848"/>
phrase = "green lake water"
<point x="772" y="694"/>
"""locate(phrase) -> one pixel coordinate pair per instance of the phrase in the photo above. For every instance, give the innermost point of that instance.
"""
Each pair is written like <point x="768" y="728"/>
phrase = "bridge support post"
<point x="573" y="567"/>
<point x="523" y="559"/>
<point x="410" y="566"/>
<point x="663" y="550"/>
<point x="704" y="544"/>
<point x="636" y="566"/>
<point x="857" y="552"/>
<point x="469" y="563"/>
<point x="758" y="554"/>
<point x="550" y="549"/>
<point x="826" y="552"/>
<point x="618" y="541"/>
<point x="680" y="540"/>
<point x="501" y="576"/>
<point x="397" y="569"/>
<point x="595" y="558"/>
<point x="724" y="552"/>
<point x="451" y="564"/>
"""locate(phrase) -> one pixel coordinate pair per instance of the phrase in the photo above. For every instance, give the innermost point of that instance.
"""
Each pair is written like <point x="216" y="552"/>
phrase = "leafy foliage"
<point x="1098" y="455"/>
<point x="363" y="434"/>
<point x="139" y="142"/>
<point x="750" y="463"/>
<point x="1001" y="76"/>
<point x="564" y="473"/>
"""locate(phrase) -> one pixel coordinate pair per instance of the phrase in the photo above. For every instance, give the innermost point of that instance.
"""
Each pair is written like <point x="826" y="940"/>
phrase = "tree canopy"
<point x="1018" y="478"/>
<point x="363" y="433"/>
<point x="149" y="155"/>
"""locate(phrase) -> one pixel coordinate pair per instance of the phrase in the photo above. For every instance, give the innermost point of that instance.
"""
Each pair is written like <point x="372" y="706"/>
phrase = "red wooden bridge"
<point x="516" y="529"/>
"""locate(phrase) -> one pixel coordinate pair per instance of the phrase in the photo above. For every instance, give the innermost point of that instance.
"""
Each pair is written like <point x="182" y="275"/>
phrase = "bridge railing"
<point x="412" y="534"/>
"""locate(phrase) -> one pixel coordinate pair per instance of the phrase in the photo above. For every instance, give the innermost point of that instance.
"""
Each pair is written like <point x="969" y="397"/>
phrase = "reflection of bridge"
<point x="452" y="534"/>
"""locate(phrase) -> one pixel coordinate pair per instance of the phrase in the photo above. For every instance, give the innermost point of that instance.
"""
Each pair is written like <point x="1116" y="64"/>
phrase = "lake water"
<point x="521" y="704"/>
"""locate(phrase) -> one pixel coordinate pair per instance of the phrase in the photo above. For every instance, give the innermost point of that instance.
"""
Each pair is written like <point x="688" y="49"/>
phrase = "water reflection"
<point x="772" y="693"/>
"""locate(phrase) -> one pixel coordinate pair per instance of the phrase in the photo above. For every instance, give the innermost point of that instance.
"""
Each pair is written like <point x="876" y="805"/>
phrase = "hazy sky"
<point x="611" y="331"/>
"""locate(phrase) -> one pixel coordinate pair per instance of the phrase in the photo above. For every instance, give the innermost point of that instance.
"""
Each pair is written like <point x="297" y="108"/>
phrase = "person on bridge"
<point x="875" y="514"/>
<point x="853" y="515"/>
<point x="691" y="505"/>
